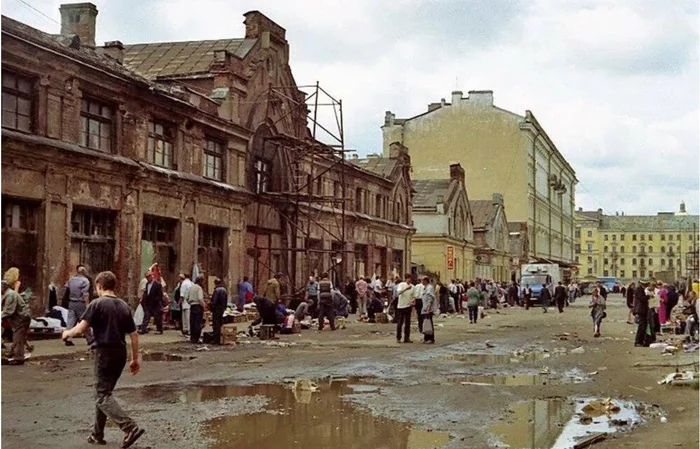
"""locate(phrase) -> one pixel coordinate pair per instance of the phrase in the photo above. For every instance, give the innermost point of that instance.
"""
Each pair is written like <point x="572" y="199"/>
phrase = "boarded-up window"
<point x="19" y="239"/>
<point x="210" y="251"/>
<point x="361" y="258"/>
<point x="158" y="246"/>
<point x="92" y="238"/>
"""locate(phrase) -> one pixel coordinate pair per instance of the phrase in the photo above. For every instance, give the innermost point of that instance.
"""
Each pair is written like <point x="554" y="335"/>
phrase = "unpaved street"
<point x="507" y="380"/>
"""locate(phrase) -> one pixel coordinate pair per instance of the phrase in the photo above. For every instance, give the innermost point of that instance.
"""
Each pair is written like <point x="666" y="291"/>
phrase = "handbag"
<point x="428" y="327"/>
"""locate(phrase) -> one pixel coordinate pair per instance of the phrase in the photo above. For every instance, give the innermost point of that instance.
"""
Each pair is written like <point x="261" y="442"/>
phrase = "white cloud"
<point x="615" y="84"/>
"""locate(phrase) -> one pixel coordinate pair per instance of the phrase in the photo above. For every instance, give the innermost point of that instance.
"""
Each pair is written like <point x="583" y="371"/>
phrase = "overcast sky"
<point x="614" y="83"/>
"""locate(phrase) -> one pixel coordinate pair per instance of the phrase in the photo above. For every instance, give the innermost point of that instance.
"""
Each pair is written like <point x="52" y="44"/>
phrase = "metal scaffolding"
<point x="299" y="203"/>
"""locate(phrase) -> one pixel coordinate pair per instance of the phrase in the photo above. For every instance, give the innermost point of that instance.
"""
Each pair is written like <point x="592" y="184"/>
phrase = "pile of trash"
<point x="686" y="378"/>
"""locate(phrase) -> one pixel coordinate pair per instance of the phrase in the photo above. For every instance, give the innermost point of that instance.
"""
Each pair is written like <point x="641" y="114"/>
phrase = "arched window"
<point x="634" y="249"/>
<point x="622" y="249"/>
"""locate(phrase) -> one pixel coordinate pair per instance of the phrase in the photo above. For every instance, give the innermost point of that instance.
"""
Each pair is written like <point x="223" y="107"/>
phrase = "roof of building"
<point x="650" y="223"/>
<point x="165" y="59"/>
<point x="62" y="44"/>
<point x="484" y="213"/>
<point x="666" y="222"/>
<point x="428" y="191"/>
<point x="382" y="166"/>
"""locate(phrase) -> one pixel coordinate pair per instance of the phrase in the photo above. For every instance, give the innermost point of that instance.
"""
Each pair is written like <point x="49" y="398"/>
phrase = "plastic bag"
<point x="138" y="315"/>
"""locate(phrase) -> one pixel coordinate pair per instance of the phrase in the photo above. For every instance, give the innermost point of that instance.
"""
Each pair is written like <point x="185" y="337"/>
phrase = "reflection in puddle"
<point x="314" y="420"/>
<point x="495" y="359"/>
<point x="554" y="423"/>
<point x="516" y="380"/>
<point x="300" y="418"/>
<point x="163" y="357"/>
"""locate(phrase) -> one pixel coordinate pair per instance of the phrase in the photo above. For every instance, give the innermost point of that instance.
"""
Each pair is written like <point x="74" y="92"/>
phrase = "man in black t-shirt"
<point x="110" y="319"/>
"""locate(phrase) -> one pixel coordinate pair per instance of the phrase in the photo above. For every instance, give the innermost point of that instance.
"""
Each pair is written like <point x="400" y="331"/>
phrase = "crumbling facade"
<point x="113" y="161"/>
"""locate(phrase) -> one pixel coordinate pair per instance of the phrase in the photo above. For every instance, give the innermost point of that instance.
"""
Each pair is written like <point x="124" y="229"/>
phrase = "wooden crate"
<point x="381" y="318"/>
<point x="229" y="334"/>
<point x="267" y="332"/>
<point x="252" y="315"/>
<point x="239" y="318"/>
<point x="296" y="328"/>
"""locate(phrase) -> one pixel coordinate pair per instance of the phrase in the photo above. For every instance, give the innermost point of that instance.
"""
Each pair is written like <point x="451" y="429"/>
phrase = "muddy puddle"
<point x="301" y="418"/>
<point x="494" y="359"/>
<point x="164" y="357"/>
<point x="558" y="423"/>
<point x="514" y="380"/>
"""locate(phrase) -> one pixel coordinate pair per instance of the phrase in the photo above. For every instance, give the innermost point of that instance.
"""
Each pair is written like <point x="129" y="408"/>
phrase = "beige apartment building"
<point x="501" y="151"/>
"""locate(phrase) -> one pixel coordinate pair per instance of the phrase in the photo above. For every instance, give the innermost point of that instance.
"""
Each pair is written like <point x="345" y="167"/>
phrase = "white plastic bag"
<point x="138" y="315"/>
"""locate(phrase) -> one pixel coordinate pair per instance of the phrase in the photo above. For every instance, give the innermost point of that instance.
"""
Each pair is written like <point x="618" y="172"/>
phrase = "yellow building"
<point x="501" y="152"/>
<point x="443" y="242"/>
<point x="491" y="257"/>
<point x="630" y="247"/>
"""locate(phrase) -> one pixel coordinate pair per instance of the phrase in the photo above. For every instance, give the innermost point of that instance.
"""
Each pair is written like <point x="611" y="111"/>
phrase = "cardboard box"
<point x="229" y="334"/>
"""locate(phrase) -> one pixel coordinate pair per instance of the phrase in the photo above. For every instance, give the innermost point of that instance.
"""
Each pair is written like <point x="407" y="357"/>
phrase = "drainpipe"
<point x="549" y="201"/>
<point x="534" y="188"/>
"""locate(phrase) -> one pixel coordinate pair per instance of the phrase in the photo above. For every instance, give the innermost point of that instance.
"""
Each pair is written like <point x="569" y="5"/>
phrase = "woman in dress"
<point x="597" y="306"/>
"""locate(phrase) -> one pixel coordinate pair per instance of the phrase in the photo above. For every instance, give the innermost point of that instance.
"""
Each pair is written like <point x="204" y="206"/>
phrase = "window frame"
<point x="262" y="175"/>
<point x="210" y="152"/>
<point x="18" y="94"/>
<point x="101" y="120"/>
<point x="167" y="136"/>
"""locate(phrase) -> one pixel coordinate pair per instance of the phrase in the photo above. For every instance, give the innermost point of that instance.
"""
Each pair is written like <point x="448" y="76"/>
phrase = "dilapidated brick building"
<point x="180" y="153"/>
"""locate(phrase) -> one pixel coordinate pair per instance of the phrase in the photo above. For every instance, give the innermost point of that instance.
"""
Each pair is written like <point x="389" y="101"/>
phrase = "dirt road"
<point x="514" y="379"/>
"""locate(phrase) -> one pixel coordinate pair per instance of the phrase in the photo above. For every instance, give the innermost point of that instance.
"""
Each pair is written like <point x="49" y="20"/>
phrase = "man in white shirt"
<point x="403" y="309"/>
<point x="185" y="285"/>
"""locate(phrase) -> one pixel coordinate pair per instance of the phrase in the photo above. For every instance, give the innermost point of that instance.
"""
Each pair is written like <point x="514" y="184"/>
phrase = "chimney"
<point x="497" y="199"/>
<point x="580" y="209"/>
<point x="682" y="211"/>
<point x="457" y="172"/>
<point x="79" y="19"/>
<point x="114" y="50"/>
<point x="456" y="97"/>
<point x="481" y="97"/>
<point x="389" y="118"/>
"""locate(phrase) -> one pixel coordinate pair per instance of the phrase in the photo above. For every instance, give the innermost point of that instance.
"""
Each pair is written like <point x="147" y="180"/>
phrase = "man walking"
<point x="78" y="289"/>
<point x="152" y="303"/>
<point x="15" y="309"/>
<point x="473" y="299"/>
<point x="403" y="310"/>
<point x="527" y="294"/>
<point x="641" y="312"/>
<point x="312" y="290"/>
<point x="219" y="299"/>
<point x="325" y="299"/>
<point x="110" y="319"/>
<point x="545" y="297"/>
<point x="560" y="296"/>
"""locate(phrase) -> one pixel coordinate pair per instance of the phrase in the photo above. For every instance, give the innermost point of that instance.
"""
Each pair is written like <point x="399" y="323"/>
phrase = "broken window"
<point x="16" y="101"/>
<point x="92" y="239"/>
<point x="161" y="137"/>
<point x="210" y="253"/>
<point x="96" y="125"/>
<point x="263" y="175"/>
<point x="19" y="239"/>
<point x="213" y="166"/>
<point x="158" y="245"/>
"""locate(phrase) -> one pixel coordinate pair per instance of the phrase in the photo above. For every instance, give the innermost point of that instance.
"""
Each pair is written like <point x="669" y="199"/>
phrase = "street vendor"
<point x="267" y="311"/>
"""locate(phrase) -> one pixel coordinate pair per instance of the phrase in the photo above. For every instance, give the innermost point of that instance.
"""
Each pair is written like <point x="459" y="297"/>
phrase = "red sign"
<point x="450" y="257"/>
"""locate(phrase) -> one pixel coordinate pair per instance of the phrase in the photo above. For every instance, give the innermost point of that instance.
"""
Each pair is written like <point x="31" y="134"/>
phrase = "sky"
<point x="614" y="83"/>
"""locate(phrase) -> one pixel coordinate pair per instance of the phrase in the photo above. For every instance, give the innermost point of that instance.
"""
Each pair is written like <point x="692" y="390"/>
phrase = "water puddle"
<point x="515" y="380"/>
<point x="560" y="424"/>
<point x="309" y="415"/>
<point x="495" y="359"/>
<point x="163" y="357"/>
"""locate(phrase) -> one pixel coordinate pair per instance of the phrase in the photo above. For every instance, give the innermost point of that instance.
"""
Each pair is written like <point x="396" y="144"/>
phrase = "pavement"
<point x="404" y="396"/>
<point x="52" y="347"/>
